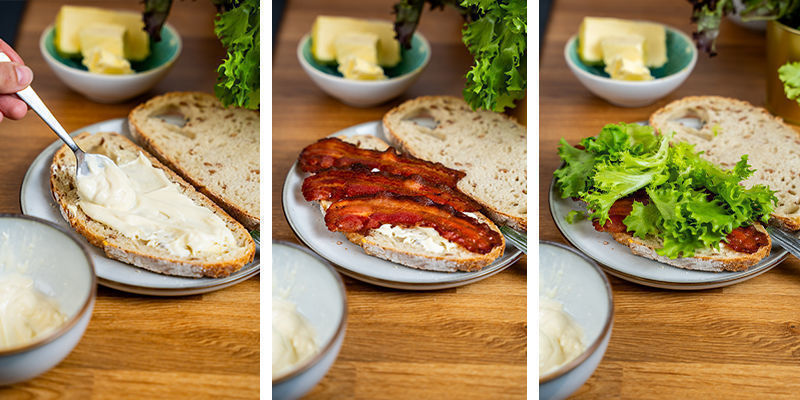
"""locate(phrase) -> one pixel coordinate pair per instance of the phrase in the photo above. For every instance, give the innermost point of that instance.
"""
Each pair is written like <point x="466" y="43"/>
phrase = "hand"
<point x="14" y="76"/>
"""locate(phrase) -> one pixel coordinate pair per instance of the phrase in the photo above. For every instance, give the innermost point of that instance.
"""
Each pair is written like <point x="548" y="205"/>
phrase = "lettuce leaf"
<point x="693" y="203"/>
<point x="789" y="74"/>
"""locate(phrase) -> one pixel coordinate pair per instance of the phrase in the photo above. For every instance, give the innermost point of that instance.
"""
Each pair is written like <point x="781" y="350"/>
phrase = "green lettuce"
<point x="789" y="74"/>
<point x="693" y="203"/>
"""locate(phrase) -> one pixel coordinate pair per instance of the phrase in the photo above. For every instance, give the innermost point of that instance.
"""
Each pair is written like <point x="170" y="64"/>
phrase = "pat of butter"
<point x="327" y="29"/>
<point x="361" y="45"/>
<point x="420" y="236"/>
<point x="109" y="37"/>
<point x="594" y="30"/>
<point x="624" y="58"/>
<point x="25" y="313"/>
<point x="139" y="201"/>
<point x="359" y="69"/>
<point x="101" y="61"/>
<point x="292" y="337"/>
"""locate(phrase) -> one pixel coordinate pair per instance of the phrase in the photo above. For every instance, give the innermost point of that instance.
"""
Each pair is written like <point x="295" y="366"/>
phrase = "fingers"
<point x="12" y="107"/>
<point x="5" y="48"/>
<point x="14" y="77"/>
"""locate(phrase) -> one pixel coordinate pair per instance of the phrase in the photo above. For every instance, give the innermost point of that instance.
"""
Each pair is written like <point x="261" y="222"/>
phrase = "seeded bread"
<point x="216" y="148"/>
<point x="411" y="254"/>
<point x="489" y="147"/>
<point x="724" y="259"/>
<point x="731" y="128"/>
<point x="119" y="247"/>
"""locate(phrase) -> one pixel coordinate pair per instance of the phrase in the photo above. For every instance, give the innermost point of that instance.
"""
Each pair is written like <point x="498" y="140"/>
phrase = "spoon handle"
<point x="37" y="105"/>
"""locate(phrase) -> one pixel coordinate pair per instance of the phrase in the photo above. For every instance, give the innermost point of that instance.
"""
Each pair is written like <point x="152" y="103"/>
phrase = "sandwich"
<point x="398" y="207"/>
<point x="666" y="202"/>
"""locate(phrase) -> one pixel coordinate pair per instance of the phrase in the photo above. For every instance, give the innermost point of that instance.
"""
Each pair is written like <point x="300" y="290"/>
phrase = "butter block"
<point x="357" y="44"/>
<point x="101" y="61"/>
<point x="326" y="29"/>
<point x="137" y="41"/>
<point x="72" y="19"/>
<point x="359" y="69"/>
<point x="624" y="58"/>
<point x="109" y="37"/>
<point x="593" y="30"/>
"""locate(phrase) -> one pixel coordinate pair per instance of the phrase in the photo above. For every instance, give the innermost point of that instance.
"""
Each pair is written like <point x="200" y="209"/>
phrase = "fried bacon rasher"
<point x="362" y="213"/>
<point x="333" y="185"/>
<point x="335" y="153"/>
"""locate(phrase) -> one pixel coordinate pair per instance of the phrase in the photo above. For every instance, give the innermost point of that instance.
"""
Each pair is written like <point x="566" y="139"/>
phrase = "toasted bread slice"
<point x="119" y="247"/>
<point x="489" y="147"/>
<point x="216" y="148"/>
<point x="410" y="252"/>
<point x="731" y="128"/>
<point x="724" y="259"/>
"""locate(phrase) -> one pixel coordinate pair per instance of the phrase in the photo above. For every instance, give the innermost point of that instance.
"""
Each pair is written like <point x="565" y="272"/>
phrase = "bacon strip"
<point x="334" y="185"/>
<point x="335" y="153"/>
<point x="360" y="214"/>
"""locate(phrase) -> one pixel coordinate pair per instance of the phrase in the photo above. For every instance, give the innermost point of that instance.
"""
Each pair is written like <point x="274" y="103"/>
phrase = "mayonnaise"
<point x="292" y="337"/>
<point x="560" y="338"/>
<point x="25" y="313"/>
<point x="421" y="236"/>
<point x="139" y="201"/>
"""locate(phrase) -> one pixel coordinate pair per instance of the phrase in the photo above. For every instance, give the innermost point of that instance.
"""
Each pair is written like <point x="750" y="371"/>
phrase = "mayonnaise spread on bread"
<point x="292" y="337"/>
<point x="424" y="237"/>
<point x="560" y="338"/>
<point x="139" y="201"/>
<point x="25" y="313"/>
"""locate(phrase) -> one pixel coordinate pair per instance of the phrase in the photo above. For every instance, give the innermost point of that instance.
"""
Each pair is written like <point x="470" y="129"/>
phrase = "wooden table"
<point x="741" y="341"/>
<point x="202" y="346"/>
<point x="467" y="342"/>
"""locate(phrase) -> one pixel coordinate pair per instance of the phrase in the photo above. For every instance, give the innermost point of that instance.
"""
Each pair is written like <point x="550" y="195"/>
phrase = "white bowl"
<point x="681" y="59"/>
<point x="576" y="281"/>
<point x="104" y="88"/>
<point x="305" y="279"/>
<point x="367" y="93"/>
<point x="61" y="268"/>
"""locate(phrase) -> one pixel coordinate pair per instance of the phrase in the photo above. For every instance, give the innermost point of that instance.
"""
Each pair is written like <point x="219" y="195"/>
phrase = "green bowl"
<point x="160" y="52"/>
<point x="411" y="59"/>
<point x="680" y="51"/>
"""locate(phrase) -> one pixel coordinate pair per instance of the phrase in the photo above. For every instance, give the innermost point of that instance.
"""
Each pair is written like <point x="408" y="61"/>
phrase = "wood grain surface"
<point x="202" y="346"/>
<point x="467" y="342"/>
<point x="742" y="341"/>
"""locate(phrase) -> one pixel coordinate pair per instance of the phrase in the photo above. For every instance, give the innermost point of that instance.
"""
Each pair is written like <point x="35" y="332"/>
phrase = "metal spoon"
<point x="37" y="105"/>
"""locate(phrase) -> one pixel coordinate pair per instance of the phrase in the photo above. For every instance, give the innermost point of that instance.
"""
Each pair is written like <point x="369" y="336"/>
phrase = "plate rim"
<point x="662" y="284"/>
<point x="393" y="284"/>
<point x="122" y="286"/>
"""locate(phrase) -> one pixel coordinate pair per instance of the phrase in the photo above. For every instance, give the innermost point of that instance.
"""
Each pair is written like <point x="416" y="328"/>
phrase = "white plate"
<point x="36" y="200"/>
<point x="617" y="260"/>
<point x="307" y="223"/>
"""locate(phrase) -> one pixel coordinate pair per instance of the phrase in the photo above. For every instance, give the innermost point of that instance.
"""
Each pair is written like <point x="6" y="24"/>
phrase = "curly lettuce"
<point x="693" y="203"/>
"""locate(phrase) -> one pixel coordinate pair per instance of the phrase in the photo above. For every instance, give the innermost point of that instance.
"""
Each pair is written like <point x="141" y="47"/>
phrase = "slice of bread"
<point x="489" y="147"/>
<point x="724" y="259"/>
<point x="409" y="253"/>
<point x="214" y="148"/>
<point x="731" y="128"/>
<point x="122" y="248"/>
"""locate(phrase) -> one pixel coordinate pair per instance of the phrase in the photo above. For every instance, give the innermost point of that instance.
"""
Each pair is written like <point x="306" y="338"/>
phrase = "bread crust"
<point x="249" y="218"/>
<point x="712" y="109"/>
<point x="117" y="246"/>
<point x="726" y="260"/>
<point x="390" y="127"/>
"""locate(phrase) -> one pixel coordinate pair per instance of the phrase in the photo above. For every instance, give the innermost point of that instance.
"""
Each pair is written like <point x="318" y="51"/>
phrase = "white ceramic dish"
<point x="637" y="93"/>
<point x="365" y="93"/>
<point x="308" y="281"/>
<point x="112" y="88"/>
<point x="36" y="200"/>
<point x="307" y="222"/>
<point x="581" y="287"/>
<point x="60" y="267"/>
<point x="617" y="260"/>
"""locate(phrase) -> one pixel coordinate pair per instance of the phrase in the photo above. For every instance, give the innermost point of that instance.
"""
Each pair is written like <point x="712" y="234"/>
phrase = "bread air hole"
<point x="694" y="122"/>
<point x="173" y="117"/>
<point x="425" y="122"/>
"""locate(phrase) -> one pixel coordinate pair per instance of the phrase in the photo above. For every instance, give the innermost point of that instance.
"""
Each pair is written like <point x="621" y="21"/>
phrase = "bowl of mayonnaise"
<point x="576" y="313"/>
<point x="309" y="316"/>
<point x="47" y="292"/>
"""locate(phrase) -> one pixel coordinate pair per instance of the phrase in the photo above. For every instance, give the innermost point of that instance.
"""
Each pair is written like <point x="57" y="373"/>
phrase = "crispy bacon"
<point x="335" y="185"/>
<point x="335" y="153"/>
<point x="746" y="239"/>
<point x="362" y="213"/>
